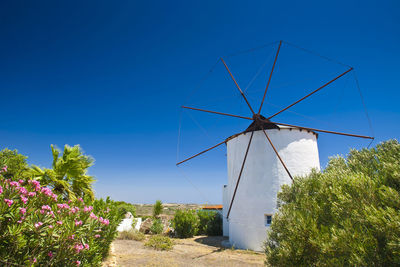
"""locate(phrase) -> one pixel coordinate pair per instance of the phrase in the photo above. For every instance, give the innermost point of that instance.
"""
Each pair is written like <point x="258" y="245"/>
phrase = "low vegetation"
<point x="159" y="242"/>
<point x="188" y="223"/>
<point x="157" y="227"/>
<point x="132" y="234"/>
<point x="347" y="215"/>
<point x="185" y="223"/>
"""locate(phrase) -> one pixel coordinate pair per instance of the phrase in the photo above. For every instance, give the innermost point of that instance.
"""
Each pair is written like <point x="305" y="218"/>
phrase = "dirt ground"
<point x="197" y="251"/>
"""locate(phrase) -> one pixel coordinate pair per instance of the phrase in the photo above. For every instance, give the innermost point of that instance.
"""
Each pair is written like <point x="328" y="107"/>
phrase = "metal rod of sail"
<point x="240" y="174"/>
<point x="277" y="154"/>
<point x="238" y="87"/>
<point x="313" y="92"/>
<point x="270" y="76"/>
<point x="198" y="154"/>
<point x="220" y="113"/>
<point x="323" y="131"/>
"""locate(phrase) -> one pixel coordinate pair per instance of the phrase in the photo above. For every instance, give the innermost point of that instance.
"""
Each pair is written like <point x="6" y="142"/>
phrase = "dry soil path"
<point x="197" y="251"/>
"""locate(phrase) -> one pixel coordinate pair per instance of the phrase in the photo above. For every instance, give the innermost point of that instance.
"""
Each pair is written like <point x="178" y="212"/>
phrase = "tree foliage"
<point x="68" y="176"/>
<point x="157" y="208"/>
<point x="17" y="167"/>
<point x="347" y="215"/>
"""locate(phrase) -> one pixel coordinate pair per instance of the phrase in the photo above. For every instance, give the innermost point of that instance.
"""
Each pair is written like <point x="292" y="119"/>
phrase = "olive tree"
<point x="346" y="215"/>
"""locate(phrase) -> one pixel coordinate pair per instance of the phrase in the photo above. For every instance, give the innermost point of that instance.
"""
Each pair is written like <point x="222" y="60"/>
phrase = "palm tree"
<point x="68" y="176"/>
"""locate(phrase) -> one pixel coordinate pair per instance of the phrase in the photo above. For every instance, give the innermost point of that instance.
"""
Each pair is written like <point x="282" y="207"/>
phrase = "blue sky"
<point x="111" y="76"/>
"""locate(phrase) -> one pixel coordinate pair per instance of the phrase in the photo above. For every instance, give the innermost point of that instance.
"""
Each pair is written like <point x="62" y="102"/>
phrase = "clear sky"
<point x="111" y="76"/>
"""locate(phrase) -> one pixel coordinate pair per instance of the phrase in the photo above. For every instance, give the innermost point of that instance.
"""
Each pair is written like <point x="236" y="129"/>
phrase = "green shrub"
<point x="157" y="227"/>
<point x="185" y="223"/>
<point x="160" y="242"/>
<point x="131" y="235"/>
<point x="157" y="208"/>
<point x="347" y="215"/>
<point x="210" y="223"/>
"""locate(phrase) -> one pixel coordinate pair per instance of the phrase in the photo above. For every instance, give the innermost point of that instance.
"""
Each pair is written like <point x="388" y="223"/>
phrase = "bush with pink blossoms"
<point x="38" y="228"/>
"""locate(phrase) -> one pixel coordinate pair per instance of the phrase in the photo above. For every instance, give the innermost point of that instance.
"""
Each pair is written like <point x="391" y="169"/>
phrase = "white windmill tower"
<point x="261" y="159"/>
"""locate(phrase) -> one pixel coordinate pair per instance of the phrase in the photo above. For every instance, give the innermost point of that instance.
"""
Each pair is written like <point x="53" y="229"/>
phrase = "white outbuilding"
<point x="262" y="177"/>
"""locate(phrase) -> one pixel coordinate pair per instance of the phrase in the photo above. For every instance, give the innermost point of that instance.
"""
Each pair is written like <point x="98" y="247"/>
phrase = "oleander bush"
<point x="185" y="223"/>
<point x="160" y="242"/>
<point x="40" y="228"/>
<point x="210" y="223"/>
<point x="346" y="215"/>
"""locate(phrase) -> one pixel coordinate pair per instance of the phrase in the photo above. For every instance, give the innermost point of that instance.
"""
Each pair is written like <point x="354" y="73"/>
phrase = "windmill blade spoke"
<point x="219" y="113"/>
<point x="240" y="174"/>
<point x="238" y="87"/>
<point x="202" y="152"/>
<point x="313" y="92"/>
<point x="324" y="131"/>
<point x="277" y="154"/>
<point x="270" y="76"/>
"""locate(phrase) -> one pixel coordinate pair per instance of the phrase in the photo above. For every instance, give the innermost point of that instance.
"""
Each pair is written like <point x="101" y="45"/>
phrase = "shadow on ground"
<point x="214" y="241"/>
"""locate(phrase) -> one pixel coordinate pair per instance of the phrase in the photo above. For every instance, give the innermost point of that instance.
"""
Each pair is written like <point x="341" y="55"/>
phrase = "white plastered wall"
<point x="262" y="178"/>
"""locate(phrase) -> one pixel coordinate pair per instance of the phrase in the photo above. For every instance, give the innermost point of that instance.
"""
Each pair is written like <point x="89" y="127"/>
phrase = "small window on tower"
<point x="267" y="219"/>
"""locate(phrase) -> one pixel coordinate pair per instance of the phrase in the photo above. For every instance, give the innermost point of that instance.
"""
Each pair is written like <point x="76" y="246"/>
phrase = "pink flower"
<point x="50" y="254"/>
<point x="86" y="246"/>
<point x="72" y="237"/>
<point x="59" y="222"/>
<point x="31" y="194"/>
<point x="78" y="223"/>
<point x="22" y="190"/>
<point x="93" y="216"/>
<point x="87" y="209"/>
<point x="97" y="236"/>
<point x="14" y="184"/>
<point x="63" y="206"/>
<point x="104" y="221"/>
<point x="46" y="191"/>
<point x="46" y="207"/>
<point x="21" y="181"/>
<point x="80" y="199"/>
<point x="37" y="225"/>
<point x="9" y="202"/>
<point x="34" y="260"/>
<point x="51" y="226"/>
<point x="22" y="210"/>
<point x="4" y="169"/>
<point x="24" y="199"/>
<point x="1" y="189"/>
<point x="35" y="183"/>
<point x="78" y="263"/>
<point x="20" y="221"/>
<point x="78" y="247"/>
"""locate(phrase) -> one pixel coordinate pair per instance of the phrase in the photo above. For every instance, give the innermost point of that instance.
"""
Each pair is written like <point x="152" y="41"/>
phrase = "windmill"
<point x="275" y="152"/>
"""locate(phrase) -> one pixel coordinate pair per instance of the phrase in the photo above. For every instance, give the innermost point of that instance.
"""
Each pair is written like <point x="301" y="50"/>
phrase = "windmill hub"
<point x="260" y="123"/>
